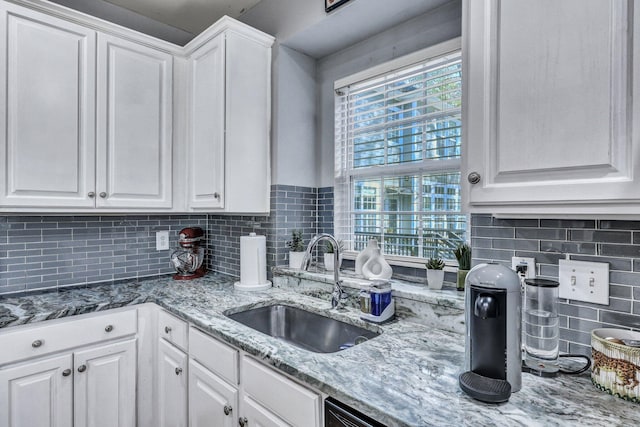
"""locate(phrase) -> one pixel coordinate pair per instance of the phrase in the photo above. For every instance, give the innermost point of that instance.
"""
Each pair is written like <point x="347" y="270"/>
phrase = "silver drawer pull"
<point x="178" y="371"/>
<point x="167" y="329"/>
<point x="66" y="372"/>
<point x="108" y="328"/>
<point x="103" y="195"/>
<point x="82" y="368"/>
<point x="37" y="343"/>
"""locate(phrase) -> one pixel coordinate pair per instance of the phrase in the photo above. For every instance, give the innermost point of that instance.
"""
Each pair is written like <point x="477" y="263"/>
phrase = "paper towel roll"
<point x="253" y="263"/>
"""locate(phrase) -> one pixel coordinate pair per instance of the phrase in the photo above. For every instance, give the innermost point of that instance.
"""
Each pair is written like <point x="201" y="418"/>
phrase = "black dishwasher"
<point x="337" y="414"/>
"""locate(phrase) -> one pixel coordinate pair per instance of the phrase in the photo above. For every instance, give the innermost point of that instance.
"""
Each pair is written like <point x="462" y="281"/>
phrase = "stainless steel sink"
<point x="302" y="328"/>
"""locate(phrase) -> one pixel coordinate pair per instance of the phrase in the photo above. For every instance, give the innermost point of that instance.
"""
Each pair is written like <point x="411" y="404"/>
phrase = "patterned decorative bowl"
<point x="616" y="366"/>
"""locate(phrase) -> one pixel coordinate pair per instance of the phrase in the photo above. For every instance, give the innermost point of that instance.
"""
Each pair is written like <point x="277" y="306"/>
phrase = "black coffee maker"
<point x="492" y="352"/>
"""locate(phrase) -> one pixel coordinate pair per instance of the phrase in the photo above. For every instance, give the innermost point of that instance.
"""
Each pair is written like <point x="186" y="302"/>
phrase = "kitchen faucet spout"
<point x="338" y="293"/>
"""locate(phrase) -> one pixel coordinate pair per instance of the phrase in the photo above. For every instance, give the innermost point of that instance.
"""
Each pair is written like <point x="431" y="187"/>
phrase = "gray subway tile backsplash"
<point x="614" y="242"/>
<point x="40" y="252"/>
<point x="54" y="251"/>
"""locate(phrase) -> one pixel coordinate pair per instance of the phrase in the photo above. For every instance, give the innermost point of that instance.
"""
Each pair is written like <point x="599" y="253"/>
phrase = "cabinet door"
<point x="206" y="153"/>
<point x="212" y="402"/>
<point x="37" y="394"/>
<point x="549" y="101"/>
<point x="172" y="386"/>
<point x="134" y="134"/>
<point x="255" y="415"/>
<point x="105" y="385"/>
<point x="47" y="99"/>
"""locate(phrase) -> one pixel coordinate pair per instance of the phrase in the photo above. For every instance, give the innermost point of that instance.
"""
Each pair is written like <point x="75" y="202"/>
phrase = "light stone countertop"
<point x="405" y="377"/>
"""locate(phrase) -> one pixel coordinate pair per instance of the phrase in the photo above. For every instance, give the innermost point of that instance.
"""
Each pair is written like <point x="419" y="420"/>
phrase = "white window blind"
<point x="398" y="159"/>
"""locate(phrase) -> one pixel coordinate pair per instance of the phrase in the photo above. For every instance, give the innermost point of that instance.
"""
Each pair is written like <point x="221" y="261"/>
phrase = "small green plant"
<point x="296" y="243"/>
<point x="328" y="247"/>
<point x="435" y="264"/>
<point x="463" y="255"/>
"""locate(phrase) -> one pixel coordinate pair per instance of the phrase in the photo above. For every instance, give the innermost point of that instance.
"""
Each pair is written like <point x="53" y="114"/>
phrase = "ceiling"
<point x="193" y="16"/>
<point x="299" y="24"/>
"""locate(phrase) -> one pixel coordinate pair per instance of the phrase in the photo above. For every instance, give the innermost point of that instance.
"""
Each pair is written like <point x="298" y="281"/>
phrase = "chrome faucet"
<point x="338" y="293"/>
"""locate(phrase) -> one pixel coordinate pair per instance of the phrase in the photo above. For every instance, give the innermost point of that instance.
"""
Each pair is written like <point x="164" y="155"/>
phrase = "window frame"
<point x="343" y="199"/>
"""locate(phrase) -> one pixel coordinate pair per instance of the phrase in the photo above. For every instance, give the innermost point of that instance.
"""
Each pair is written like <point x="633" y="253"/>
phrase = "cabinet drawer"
<point x="219" y="358"/>
<point x="291" y="402"/>
<point x="173" y="329"/>
<point x="23" y="342"/>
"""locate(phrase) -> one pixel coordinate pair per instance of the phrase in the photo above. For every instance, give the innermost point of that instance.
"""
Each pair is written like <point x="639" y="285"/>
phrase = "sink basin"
<point x="302" y="328"/>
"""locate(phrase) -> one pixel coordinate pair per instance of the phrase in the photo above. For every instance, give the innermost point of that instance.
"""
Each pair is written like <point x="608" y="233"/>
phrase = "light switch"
<point x="584" y="281"/>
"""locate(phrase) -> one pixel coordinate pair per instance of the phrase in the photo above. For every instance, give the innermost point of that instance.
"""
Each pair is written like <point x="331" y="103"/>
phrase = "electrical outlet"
<point x="584" y="281"/>
<point x="525" y="267"/>
<point x="162" y="240"/>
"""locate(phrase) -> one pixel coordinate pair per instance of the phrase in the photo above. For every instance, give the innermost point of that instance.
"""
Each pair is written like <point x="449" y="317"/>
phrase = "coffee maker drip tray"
<point x="485" y="389"/>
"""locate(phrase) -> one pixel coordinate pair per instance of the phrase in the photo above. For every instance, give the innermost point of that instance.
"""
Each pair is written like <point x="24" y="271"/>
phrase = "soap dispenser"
<point x="376" y="302"/>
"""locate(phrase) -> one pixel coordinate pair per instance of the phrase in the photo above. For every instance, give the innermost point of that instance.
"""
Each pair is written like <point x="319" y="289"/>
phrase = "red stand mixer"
<point x="187" y="259"/>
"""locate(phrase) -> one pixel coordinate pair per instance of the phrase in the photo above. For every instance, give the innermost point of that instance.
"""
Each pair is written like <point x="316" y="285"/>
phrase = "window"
<point x="398" y="131"/>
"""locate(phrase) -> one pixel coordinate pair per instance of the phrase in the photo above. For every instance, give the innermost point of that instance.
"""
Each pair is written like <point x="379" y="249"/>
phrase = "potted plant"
<point x="329" y="257"/>
<point x="435" y="273"/>
<point x="296" y="249"/>
<point x="463" y="255"/>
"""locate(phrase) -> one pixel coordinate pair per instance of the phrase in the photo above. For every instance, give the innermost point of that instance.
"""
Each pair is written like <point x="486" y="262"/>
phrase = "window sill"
<point x="448" y="296"/>
<point x="401" y="261"/>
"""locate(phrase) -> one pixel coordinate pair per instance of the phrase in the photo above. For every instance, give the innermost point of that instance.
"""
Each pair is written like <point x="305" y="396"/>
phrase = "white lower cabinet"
<point x="95" y="387"/>
<point x="38" y="393"/>
<point x="104" y="385"/>
<point x="254" y="415"/>
<point x="172" y="386"/>
<point x="290" y="402"/>
<point x="70" y="372"/>
<point x="212" y="402"/>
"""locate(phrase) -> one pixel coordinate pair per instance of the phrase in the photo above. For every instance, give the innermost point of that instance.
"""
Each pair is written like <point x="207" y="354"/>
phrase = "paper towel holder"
<point x="253" y="259"/>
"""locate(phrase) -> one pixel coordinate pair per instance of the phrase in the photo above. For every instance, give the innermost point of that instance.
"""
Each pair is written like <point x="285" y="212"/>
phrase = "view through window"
<point x="398" y="159"/>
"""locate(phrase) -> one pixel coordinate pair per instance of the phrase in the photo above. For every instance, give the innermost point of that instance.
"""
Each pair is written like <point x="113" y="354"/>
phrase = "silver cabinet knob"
<point x="473" y="177"/>
<point x="66" y="372"/>
<point x="108" y="328"/>
<point x="216" y="195"/>
<point x="103" y="195"/>
<point x="227" y="409"/>
<point x="178" y="371"/>
<point x="37" y="343"/>
<point x="167" y="329"/>
<point x="82" y="368"/>
<point x="243" y="421"/>
<point x="91" y="194"/>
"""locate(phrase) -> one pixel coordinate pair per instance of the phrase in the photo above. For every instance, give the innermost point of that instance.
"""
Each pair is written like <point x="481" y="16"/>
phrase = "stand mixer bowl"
<point x="188" y="258"/>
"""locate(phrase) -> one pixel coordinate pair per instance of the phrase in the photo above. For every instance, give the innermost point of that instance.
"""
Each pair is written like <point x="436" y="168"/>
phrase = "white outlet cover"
<point x="162" y="240"/>
<point x="584" y="281"/>
<point x="531" y="265"/>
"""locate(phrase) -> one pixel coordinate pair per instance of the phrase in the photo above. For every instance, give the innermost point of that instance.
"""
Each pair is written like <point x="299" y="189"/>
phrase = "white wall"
<point x="302" y="109"/>
<point x="442" y="24"/>
<point x="293" y="154"/>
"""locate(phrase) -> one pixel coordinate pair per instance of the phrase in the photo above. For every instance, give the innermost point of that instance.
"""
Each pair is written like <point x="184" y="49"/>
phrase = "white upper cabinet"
<point x="206" y="125"/>
<point x="550" y="112"/>
<point x="134" y="125"/>
<point x="228" y="160"/>
<point x="47" y="96"/>
<point x="90" y="126"/>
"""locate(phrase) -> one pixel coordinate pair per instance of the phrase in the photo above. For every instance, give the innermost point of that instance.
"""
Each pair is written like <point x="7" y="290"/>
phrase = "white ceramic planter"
<point x="295" y="260"/>
<point x="435" y="278"/>
<point x="329" y="260"/>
